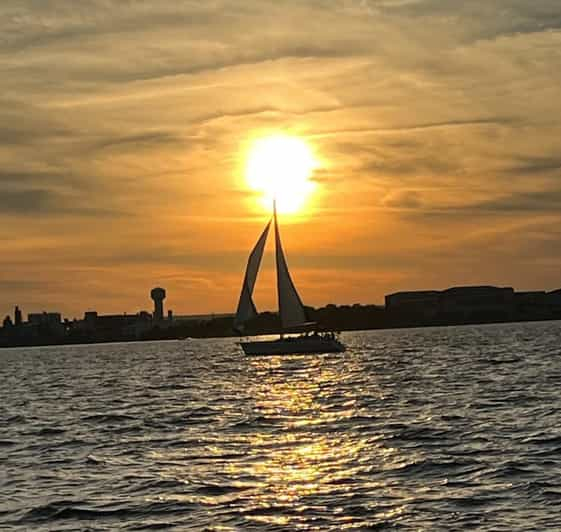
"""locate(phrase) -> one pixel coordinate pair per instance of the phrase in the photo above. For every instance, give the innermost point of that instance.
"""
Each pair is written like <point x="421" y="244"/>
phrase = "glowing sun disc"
<point x="280" y="167"/>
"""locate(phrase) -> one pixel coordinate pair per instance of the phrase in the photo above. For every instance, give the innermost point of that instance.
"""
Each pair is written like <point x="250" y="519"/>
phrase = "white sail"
<point x="291" y="308"/>
<point x="246" y="306"/>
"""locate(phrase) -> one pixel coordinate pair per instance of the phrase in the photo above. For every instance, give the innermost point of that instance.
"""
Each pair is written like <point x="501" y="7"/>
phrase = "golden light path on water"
<point x="304" y="453"/>
<point x="297" y="448"/>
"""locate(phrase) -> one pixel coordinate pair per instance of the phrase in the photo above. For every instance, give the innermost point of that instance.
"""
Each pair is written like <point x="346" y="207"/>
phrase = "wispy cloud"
<point x="123" y="125"/>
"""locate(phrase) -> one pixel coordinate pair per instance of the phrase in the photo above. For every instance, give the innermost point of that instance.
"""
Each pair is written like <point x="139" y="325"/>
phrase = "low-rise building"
<point x="467" y="301"/>
<point x="419" y="303"/>
<point x="531" y="302"/>
<point x="554" y="300"/>
<point x="46" y="323"/>
<point x="459" y="303"/>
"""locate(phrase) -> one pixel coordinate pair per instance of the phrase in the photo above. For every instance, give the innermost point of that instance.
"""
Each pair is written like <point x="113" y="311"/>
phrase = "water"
<point x="428" y="429"/>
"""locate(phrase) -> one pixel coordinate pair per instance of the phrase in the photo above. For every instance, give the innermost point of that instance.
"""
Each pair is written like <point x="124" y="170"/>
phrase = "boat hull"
<point x="292" y="346"/>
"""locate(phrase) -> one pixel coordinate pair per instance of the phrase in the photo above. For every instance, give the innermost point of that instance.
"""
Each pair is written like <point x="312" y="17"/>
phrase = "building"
<point x="461" y="303"/>
<point x="422" y="303"/>
<point x="49" y="323"/>
<point x="554" y="301"/>
<point x="471" y="301"/>
<point x="17" y="317"/>
<point x="531" y="302"/>
<point x="114" y="326"/>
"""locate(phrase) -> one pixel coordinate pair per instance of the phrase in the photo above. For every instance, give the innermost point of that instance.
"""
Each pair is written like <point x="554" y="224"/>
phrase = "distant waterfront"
<point x="454" y="306"/>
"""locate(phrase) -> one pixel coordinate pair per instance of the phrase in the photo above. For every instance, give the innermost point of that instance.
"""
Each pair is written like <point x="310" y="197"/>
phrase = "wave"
<point x="107" y="418"/>
<point x="214" y="490"/>
<point x="49" y="431"/>
<point x="375" y="439"/>
<point x="79" y="510"/>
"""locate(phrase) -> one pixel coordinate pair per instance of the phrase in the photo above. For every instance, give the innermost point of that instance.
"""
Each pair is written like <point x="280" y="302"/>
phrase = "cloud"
<point x="27" y="202"/>
<point x="138" y="141"/>
<point x="534" y="165"/>
<point x="123" y="126"/>
<point x="44" y="202"/>
<point x="403" y="199"/>
<point x="10" y="177"/>
<point x="20" y="284"/>
<point x="540" y="202"/>
<point x="519" y="205"/>
<point x="484" y="19"/>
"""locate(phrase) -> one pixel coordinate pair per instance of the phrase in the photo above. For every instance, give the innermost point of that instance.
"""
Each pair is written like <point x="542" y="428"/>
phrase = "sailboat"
<point x="291" y="309"/>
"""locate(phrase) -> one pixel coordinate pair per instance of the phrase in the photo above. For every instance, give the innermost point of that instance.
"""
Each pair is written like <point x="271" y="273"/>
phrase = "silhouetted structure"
<point x="158" y="295"/>
<point x="49" y="323"/>
<point x="460" y="304"/>
<point x="457" y="305"/>
<point x="424" y="302"/>
<point x="480" y="302"/>
<point x="112" y="327"/>
<point x="554" y="300"/>
<point x="17" y="317"/>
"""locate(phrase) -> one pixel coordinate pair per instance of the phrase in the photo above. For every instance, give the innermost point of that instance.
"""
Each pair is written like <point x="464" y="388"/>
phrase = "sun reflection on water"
<point x="303" y="448"/>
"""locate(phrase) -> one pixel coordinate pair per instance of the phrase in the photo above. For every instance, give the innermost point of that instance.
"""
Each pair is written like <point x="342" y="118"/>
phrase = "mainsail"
<point x="246" y="306"/>
<point x="291" y="308"/>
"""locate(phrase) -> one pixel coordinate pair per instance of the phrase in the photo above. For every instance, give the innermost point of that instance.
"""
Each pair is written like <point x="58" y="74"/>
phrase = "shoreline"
<point x="55" y="343"/>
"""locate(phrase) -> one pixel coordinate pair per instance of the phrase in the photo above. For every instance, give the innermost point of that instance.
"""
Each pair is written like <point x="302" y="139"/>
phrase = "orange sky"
<point x="124" y="126"/>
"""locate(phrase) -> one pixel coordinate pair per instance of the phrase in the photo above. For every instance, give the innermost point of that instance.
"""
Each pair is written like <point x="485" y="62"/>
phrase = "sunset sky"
<point x="125" y="126"/>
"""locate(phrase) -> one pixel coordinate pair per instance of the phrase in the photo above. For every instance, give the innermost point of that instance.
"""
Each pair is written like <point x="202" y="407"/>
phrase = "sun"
<point x="280" y="167"/>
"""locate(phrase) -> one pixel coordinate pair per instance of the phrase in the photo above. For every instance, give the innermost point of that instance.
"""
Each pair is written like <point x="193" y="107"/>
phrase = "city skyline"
<point x="454" y="306"/>
<point x="125" y="129"/>
<point x="160" y="312"/>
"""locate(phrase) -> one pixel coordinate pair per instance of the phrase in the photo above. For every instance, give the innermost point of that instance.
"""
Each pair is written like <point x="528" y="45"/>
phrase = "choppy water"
<point x="428" y="429"/>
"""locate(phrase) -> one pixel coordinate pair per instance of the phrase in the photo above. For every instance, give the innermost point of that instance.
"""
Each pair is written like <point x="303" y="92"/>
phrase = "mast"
<point x="291" y="309"/>
<point x="277" y="248"/>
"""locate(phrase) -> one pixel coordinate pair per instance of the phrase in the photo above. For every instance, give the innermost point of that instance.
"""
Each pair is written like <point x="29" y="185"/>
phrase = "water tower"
<point x="158" y="295"/>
